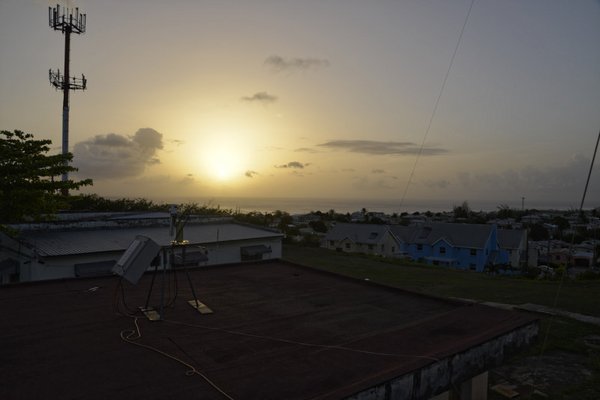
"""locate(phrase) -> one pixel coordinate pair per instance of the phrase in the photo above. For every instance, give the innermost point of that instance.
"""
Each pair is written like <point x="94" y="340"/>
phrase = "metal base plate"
<point x="201" y="307"/>
<point x="150" y="313"/>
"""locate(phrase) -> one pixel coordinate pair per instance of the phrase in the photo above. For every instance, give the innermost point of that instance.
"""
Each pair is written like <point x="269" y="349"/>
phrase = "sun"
<point x="222" y="164"/>
<point x="223" y="160"/>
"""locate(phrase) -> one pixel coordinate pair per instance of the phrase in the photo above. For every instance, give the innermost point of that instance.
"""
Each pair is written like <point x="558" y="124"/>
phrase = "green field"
<point x="557" y="335"/>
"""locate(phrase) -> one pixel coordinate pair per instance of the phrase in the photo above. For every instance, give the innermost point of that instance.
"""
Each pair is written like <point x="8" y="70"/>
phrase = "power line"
<point x="437" y="102"/>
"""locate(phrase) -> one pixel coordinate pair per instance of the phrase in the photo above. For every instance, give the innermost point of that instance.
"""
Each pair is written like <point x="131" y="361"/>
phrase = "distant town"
<point x="89" y="237"/>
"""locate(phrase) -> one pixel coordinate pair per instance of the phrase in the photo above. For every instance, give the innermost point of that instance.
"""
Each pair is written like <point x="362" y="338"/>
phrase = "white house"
<point x="362" y="238"/>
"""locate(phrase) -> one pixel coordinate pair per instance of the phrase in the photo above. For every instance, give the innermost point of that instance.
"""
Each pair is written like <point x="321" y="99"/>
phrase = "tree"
<point x="462" y="211"/>
<point x="28" y="188"/>
<point x="538" y="232"/>
<point x="318" y="226"/>
<point x="504" y="211"/>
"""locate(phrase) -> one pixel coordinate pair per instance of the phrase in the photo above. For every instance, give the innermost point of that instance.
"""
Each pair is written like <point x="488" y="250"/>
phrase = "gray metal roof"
<point x="510" y="238"/>
<point x="472" y="236"/>
<point x="70" y="242"/>
<point x="358" y="233"/>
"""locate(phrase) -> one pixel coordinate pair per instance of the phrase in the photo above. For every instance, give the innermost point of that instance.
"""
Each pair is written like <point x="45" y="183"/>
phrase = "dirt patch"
<point x="551" y="373"/>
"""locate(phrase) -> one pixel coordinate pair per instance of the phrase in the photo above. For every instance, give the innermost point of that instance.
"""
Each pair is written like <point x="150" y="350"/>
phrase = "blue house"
<point x="463" y="246"/>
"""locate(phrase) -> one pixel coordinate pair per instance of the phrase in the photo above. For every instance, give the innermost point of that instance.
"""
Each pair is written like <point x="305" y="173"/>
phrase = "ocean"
<point x="345" y="205"/>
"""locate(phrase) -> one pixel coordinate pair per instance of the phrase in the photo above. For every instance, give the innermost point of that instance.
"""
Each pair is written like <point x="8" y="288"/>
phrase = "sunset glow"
<point x="317" y="99"/>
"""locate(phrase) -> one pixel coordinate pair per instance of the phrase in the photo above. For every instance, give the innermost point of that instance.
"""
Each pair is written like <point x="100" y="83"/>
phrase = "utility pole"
<point x="65" y="21"/>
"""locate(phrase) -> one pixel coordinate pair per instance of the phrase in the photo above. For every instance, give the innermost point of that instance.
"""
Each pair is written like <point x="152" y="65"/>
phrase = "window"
<point x="393" y="249"/>
<point x="331" y="242"/>
<point x="473" y="252"/>
<point x="347" y="245"/>
<point x="382" y="247"/>
<point x="419" y="247"/>
<point x="442" y="250"/>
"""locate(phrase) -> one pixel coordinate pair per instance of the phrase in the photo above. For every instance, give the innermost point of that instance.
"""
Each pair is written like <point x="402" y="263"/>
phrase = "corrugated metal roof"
<point x="60" y="243"/>
<point x="459" y="235"/>
<point x="509" y="238"/>
<point x="358" y="233"/>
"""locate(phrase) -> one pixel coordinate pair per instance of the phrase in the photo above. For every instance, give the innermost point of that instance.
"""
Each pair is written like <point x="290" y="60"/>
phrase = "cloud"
<point x="187" y="180"/>
<point x="117" y="156"/>
<point x="374" y="147"/>
<point x="306" y="150"/>
<point x="292" y="164"/>
<point x="280" y="64"/>
<point x="377" y="171"/>
<point x="260" y="97"/>
<point x="250" y="173"/>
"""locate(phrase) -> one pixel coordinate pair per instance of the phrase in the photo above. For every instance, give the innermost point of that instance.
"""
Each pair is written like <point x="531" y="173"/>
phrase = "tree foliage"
<point x="28" y="188"/>
<point x="462" y="211"/>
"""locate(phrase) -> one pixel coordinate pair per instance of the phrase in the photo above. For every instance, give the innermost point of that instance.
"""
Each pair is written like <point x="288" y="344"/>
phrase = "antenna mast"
<point x="67" y="22"/>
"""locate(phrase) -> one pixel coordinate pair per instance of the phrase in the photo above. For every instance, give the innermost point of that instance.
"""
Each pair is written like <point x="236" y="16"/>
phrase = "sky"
<point x="335" y="99"/>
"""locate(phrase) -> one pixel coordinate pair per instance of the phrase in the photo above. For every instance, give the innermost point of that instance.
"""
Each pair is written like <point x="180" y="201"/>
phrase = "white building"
<point x="55" y="250"/>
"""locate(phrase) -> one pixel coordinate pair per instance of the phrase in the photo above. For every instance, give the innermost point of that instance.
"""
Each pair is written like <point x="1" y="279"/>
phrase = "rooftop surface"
<point x="278" y="331"/>
<point x="82" y="241"/>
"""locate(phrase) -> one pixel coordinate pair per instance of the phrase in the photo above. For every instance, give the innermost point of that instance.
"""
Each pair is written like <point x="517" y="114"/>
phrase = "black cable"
<point x="436" y="104"/>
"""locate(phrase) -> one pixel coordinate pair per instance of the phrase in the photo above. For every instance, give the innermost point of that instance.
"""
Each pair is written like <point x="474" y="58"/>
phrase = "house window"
<point x="442" y="250"/>
<point x="473" y="252"/>
<point x="347" y="245"/>
<point x="382" y="247"/>
<point x="331" y="242"/>
<point x="393" y="249"/>
<point x="419" y="247"/>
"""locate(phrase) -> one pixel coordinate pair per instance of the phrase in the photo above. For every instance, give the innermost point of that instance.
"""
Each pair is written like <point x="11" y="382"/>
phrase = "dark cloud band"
<point x="381" y="148"/>
<point x="260" y="97"/>
<point x="280" y="64"/>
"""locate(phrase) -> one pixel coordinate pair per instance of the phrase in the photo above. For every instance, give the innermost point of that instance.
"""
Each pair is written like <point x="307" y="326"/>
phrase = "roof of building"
<point x="510" y="238"/>
<point x="459" y="235"/>
<point x="82" y="241"/>
<point x="277" y="331"/>
<point x="358" y="233"/>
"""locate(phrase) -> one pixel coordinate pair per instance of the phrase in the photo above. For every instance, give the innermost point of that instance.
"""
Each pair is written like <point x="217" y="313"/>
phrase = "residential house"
<point x="463" y="246"/>
<point x="512" y="247"/>
<point x="362" y="238"/>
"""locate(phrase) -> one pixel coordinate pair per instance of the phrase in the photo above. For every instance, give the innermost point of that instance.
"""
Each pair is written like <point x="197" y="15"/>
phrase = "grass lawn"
<point x="576" y="296"/>
<point x="563" y="335"/>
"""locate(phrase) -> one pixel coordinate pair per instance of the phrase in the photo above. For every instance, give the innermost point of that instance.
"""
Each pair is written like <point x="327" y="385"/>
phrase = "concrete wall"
<point x="466" y="371"/>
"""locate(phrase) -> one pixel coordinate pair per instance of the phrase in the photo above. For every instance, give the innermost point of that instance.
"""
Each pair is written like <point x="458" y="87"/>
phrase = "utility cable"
<point x="131" y="337"/>
<point x="294" y="342"/>
<point x="562" y="279"/>
<point x="436" y="104"/>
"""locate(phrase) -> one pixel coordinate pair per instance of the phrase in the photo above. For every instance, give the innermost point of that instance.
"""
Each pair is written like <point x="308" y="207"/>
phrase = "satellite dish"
<point x="136" y="259"/>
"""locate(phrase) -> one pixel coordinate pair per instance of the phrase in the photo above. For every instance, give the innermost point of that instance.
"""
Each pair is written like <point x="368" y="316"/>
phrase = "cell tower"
<point x="65" y="21"/>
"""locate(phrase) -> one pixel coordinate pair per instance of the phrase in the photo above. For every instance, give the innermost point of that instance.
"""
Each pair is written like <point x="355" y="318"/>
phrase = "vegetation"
<point x="28" y="188"/>
<point x="575" y="296"/>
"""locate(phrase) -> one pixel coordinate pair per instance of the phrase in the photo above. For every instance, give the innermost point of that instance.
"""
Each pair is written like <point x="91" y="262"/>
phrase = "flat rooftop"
<point x="278" y="331"/>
